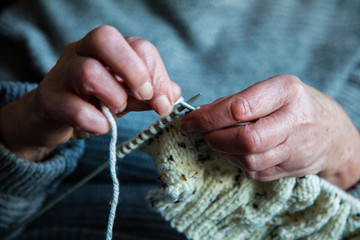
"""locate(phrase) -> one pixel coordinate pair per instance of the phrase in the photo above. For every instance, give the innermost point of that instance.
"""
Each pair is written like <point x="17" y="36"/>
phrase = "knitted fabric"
<point x="206" y="197"/>
<point x="213" y="47"/>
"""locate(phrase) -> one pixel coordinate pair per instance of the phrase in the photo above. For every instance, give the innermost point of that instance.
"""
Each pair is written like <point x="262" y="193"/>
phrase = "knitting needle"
<point x="191" y="108"/>
<point x="48" y="206"/>
<point x="191" y="100"/>
<point x="132" y="144"/>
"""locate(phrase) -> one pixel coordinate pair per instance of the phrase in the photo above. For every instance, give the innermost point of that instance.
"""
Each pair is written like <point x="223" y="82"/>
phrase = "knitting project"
<point x="206" y="197"/>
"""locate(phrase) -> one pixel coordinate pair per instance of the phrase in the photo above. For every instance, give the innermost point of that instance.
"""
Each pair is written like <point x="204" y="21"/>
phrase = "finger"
<point x="260" y="161"/>
<point x="253" y="103"/>
<point x="293" y="166"/>
<point x="277" y="172"/>
<point x="91" y="78"/>
<point x="257" y="137"/>
<point x="166" y="92"/>
<point x="79" y="114"/>
<point x="109" y="46"/>
<point x="135" y="105"/>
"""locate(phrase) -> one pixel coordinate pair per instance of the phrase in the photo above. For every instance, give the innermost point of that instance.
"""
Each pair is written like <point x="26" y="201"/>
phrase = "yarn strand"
<point x="116" y="184"/>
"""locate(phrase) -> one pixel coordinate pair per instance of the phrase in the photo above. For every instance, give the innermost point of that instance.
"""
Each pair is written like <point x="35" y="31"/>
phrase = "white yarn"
<point x="205" y="197"/>
<point x="123" y="150"/>
<point x="116" y="185"/>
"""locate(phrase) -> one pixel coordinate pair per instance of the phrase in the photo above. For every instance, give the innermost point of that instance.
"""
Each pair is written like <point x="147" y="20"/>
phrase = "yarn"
<point x="152" y="131"/>
<point x="112" y="159"/>
<point x="206" y="197"/>
<point x="126" y="148"/>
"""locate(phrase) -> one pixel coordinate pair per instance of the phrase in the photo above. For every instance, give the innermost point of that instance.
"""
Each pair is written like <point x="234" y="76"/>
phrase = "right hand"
<point x="295" y="130"/>
<point x="125" y="74"/>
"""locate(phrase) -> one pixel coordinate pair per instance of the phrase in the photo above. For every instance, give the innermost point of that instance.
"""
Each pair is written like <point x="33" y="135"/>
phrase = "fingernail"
<point x="120" y="109"/>
<point x="162" y="105"/>
<point x="146" y="91"/>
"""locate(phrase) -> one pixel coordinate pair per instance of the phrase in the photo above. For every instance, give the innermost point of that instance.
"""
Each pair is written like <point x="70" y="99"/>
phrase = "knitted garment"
<point x="206" y="197"/>
<point x="213" y="47"/>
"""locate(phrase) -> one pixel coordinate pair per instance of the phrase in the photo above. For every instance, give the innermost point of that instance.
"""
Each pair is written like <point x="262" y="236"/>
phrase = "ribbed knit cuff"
<point x="21" y="178"/>
<point x="24" y="185"/>
<point x="10" y="91"/>
<point x="25" y="179"/>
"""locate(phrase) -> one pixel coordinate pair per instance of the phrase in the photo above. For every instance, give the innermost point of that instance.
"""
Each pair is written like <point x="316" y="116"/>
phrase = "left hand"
<point x="103" y="67"/>
<point x="295" y="130"/>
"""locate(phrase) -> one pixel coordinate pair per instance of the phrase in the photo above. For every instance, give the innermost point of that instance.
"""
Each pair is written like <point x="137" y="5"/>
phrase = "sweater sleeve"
<point x="24" y="185"/>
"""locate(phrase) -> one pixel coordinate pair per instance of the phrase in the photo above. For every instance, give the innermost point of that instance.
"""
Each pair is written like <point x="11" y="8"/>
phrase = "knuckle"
<point x="250" y="163"/>
<point x="104" y="37"/>
<point x="89" y="71"/>
<point x="293" y="81"/>
<point x="252" y="141"/>
<point x="79" y="117"/>
<point x="142" y="46"/>
<point x="106" y="29"/>
<point x="286" y="79"/>
<point x="291" y="84"/>
<point x="240" y="108"/>
<point x="104" y="32"/>
<point x="291" y="78"/>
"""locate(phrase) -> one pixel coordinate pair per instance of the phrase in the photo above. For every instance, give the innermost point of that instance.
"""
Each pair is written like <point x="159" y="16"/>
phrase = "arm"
<point x="295" y="130"/>
<point x="23" y="184"/>
<point x="126" y="74"/>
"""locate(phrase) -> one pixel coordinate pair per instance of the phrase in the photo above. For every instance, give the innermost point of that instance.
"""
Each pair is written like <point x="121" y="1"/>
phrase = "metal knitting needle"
<point x="154" y="128"/>
<point x="23" y="222"/>
<point x="188" y="102"/>
<point x="188" y="106"/>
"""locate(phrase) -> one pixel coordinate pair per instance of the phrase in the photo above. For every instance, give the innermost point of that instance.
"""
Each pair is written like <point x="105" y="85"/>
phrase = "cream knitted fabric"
<point x="206" y="197"/>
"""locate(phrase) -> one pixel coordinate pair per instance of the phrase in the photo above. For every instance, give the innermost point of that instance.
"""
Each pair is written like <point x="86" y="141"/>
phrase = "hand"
<point x="105" y="67"/>
<point x="294" y="130"/>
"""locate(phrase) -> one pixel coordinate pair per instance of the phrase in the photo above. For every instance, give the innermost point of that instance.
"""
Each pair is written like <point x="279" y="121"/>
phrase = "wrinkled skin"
<point x="125" y="74"/>
<point x="294" y="130"/>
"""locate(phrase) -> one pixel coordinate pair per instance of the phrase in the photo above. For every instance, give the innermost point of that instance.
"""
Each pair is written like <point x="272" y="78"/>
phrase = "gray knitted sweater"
<point x="213" y="47"/>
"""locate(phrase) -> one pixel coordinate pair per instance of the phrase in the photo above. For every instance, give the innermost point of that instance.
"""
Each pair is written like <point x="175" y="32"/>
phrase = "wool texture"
<point x="206" y="197"/>
<point x="214" y="47"/>
<point x="112" y="160"/>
